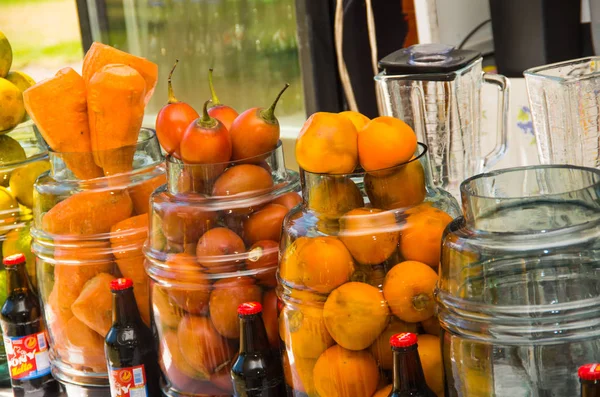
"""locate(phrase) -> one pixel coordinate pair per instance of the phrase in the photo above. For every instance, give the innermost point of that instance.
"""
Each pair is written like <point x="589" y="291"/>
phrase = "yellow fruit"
<point x="303" y="330"/>
<point x="22" y="80"/>
<point x="380" y="349"/>
<point x="12" y="108"/>
<point x="6" y="55"/>
<point x="22" y="180"/>
<point x="431" y="361"/>
<point x="18" y="241"/>
<point x="10" y="152"/>
<point x="8" y="210"/>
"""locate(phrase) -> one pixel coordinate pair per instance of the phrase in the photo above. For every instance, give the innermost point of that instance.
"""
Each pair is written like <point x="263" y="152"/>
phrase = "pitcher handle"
<point x="502" y="126"/>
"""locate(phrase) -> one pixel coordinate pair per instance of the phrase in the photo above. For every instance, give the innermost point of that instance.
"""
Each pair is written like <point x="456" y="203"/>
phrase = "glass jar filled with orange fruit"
<point x="360" y="256"/>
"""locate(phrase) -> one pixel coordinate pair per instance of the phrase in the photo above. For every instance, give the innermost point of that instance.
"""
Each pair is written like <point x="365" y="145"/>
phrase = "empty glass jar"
<point x="519" y="288"/>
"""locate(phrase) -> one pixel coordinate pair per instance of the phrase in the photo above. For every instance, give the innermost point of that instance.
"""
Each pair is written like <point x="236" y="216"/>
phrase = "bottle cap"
<point x="249" y="308"/>
<point x="405" y="339"/>
<point x="119" y="284"/>
<point x="589" y="372"/>
<point x="15" y="259"/>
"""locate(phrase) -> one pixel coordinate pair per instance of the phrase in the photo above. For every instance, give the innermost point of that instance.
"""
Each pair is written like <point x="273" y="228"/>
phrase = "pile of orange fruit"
<point x="367" y="268"/>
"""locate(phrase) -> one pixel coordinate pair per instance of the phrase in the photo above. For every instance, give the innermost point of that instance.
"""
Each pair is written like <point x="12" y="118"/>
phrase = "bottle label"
<point x="128" y="382"/>
<point x="27" y="356"/>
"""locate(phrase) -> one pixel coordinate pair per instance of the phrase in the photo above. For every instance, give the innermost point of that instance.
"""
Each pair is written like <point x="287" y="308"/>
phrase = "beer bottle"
<point x="409" y="380"/>
<point x="589" y="376"/>
<point x="257" y="369"/>
<point x="25" y="336"/>
<point x="131" y="358"/>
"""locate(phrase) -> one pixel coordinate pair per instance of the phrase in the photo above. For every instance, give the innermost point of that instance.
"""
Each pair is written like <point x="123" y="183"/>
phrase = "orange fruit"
<point x="333" y="196"/>
<point x="408" y="288"/>
<point x="269" y="316"/>
<point x="299" y="375"/>
<point x="371" y="235"/>
<point x="384" y="143"/>
<point x="384" y="392"/>
<point x="288" y="200"/>
<point x="421" y="238"/>
<point x="225" y="298"/>
<point x="355" y="314"/>
<point x="380" y="349"/>
<point x="400" y="187"/>
<point x="327" y="144"/>
<point x="192" y="289"/>
<point x="265" y="224"/>
<point x="185" y="224"/>
<point x="358" y="119"/>
<point x="166" y="313"/>
<point x="241" y="179"/>
<point x="318" y="263"/>
<point x="432" y="326"/>
<point x="169" y="345"/>
<point x="430" y="353"/>
<point x="345" y="373"/>
<point x="215" y="245"/>
<point x="303" y="330"/>
<point x="263" y="257"/>
<point x="201" y="345"/>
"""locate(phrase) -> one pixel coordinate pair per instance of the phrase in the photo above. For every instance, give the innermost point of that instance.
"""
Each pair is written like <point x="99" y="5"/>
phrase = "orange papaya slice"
<point x="93" y="306"/>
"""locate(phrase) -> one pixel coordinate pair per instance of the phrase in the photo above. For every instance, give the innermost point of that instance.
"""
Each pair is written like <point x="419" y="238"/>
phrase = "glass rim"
<point x="538" y="71"/>
<point x="361" y="172"/>
<point x="141" y="140"/>
<point x="172" y="160"/>
<point x="468" y="193"/>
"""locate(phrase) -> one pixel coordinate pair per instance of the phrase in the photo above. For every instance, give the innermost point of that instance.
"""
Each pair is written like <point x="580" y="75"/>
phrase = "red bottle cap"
<point x="249" y="308"/>
<point x="589" y="372"/>
<point x="405" y="339"/>
<point x="15" y="259"/>
<point x="119" y="284"/>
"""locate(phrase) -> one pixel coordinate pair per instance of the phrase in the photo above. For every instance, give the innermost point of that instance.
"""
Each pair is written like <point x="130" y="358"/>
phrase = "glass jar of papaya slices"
<point x="85" y="234"/>
<point x="213" y="244"/>
<point x="23" y="157"/>
<point x="359" y="264"/>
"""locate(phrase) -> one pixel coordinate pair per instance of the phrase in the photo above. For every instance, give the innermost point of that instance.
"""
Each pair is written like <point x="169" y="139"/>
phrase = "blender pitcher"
<point x="565" y="107"/>
<point x="450" y="81"/>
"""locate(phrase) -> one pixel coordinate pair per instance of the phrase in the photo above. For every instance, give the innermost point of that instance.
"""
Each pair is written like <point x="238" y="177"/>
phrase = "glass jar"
<point x="86" y="233"/>
<point x="23" y="157"/>
<point x="214" y="244"/>
<point x="519" y="288"/>
<point x="358" y="264"/>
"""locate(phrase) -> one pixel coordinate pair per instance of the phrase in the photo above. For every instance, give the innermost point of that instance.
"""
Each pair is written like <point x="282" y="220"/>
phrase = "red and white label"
<point x="128" y="382"/>
<point x="27" y="356"/>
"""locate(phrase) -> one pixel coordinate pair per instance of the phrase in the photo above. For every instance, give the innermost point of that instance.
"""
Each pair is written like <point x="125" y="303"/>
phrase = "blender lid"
<point x="427" y="58"/>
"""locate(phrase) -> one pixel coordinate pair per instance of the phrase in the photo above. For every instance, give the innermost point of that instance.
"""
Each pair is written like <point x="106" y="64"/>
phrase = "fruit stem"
<point x="215" y="100"/>
<point x="172" y="98"/>
<point x="206" y="121"/>
<point x="421" y="302"/>
<point x="269" y="114"/>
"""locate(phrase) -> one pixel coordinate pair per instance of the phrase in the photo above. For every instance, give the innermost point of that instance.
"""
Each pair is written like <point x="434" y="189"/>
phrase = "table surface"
<point x="72" y="391"/>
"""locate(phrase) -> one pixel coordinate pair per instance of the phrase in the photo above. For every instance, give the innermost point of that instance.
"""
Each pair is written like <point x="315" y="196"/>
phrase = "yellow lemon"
<point x="8" y="210"/>
<point x="18" y="241"/>
<point x="22" y="180"/>
<point x="23" y="81"/>
<point x="12" y="108"/>
<point x="10" y="152"/>
<point x="6" y="55"/>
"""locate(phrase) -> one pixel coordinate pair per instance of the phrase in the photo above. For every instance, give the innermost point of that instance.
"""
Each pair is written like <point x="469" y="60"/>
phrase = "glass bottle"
<point x="409" y="379"/>
<point x="589" y="377"/>
<point x="129" y="346"/>
<point x="25" y="337"/>
<point x="257" y="370"/>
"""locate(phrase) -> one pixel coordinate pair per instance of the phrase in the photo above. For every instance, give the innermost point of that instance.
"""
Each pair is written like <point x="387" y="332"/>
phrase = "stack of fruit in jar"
<point x="361" y="258"/>
<point x="218" y="235"/>
<point x="21" y="161"/>
<point x="92" y="122"/>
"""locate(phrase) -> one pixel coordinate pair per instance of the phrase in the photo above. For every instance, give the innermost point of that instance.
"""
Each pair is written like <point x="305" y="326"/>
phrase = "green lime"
<point x="3" y="294"/>
<point x="18" y="241"/>
<point x="10" y="152"/>
<point x="22" y="180"/>
<point x="9" y="209"/>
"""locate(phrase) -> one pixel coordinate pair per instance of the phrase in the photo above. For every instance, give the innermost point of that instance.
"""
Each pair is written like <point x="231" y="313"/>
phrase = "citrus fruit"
<point x="263" y="258"/>
<point x="12" y="108"/>
<point x="18" y="241"/>
<point x="431" y="360"/>
<point x="408" y="288"/>
<point x="303" y="330"/>
<point x="371" y="235"/>
<point x="358" y="119"/>
<point x="345" y="373"/>
<point x="432" y="326"/>
<point x="385" y="142"/>
<point x="421" y="238"/>
<point x="299" y="374"/>
<point x="6" y="55"/>
<point x="355" y="314"/>
<point x="380" y="349"/>
<point x="22" y="180"/>
<point x="3" y="293"/>
<point x="227" y="295"/>
<point x="8" y="210"/>
<point x="22" y="80"/>
<point x="334" y="196"/>
<point x="320" y="263"/>
<point x="400" y="187"/>
<point x="10" y="152"/>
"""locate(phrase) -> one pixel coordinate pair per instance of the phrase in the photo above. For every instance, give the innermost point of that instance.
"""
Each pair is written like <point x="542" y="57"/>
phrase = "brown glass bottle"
<point x="129" y="346"/>
<point x="409" y="380"/>
<point x="589" y="376"/>
<point x="257" y="370"/>
<point x="25" y="336"/>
